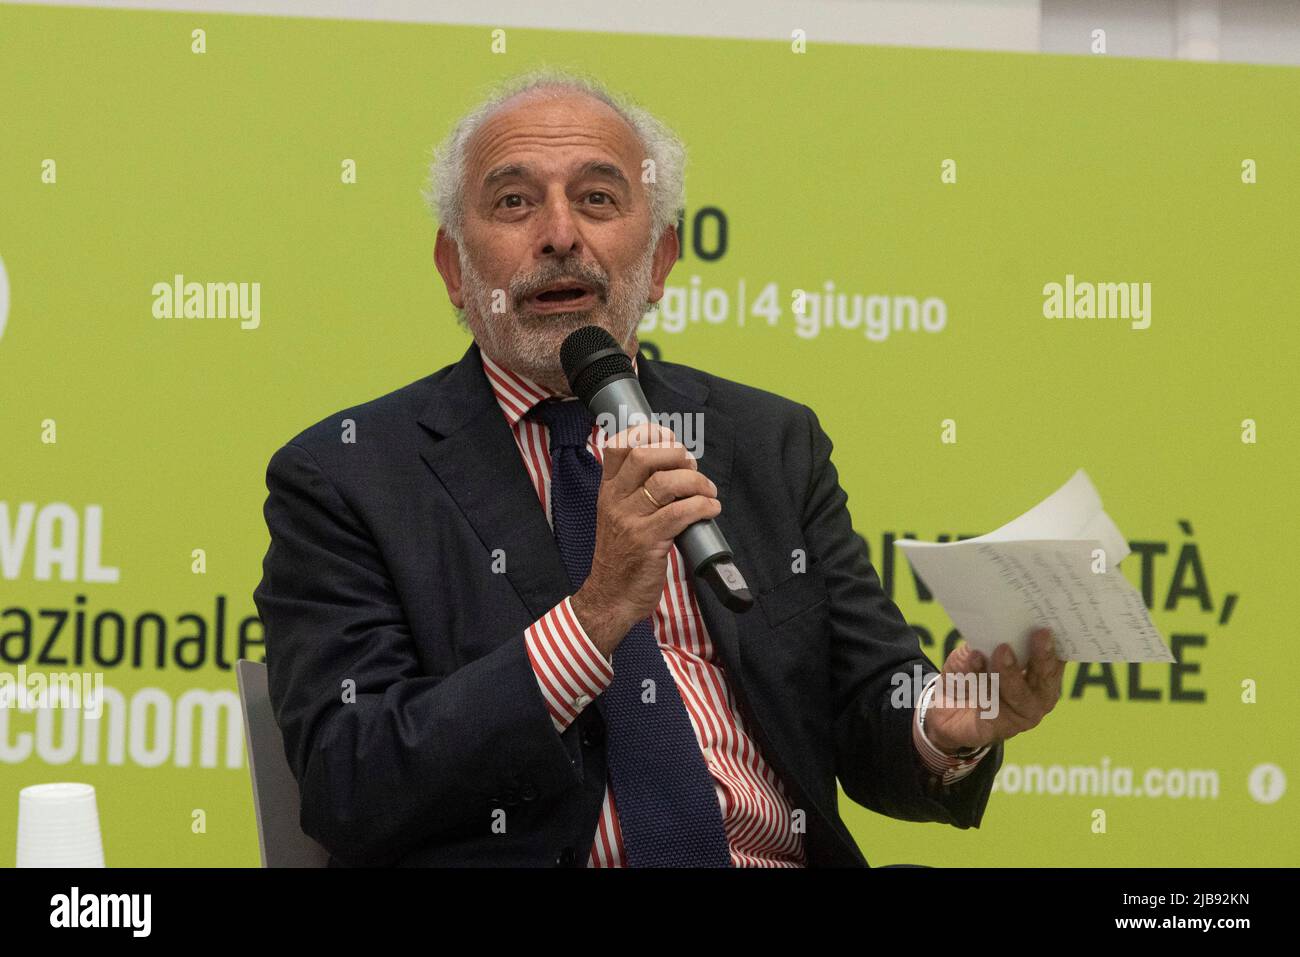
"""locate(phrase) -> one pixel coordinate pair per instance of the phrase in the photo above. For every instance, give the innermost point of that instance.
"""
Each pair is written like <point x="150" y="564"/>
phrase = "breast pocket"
<point x="791" y="597"/>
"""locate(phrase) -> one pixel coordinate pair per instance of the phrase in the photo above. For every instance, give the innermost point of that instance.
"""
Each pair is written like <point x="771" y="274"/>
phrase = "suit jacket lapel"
<point x="715" y="434"/>
<point x="472" y="452"/>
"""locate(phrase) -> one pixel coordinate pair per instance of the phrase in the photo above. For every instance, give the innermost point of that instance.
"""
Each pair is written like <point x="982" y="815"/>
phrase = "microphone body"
<point x="611" y="390"/>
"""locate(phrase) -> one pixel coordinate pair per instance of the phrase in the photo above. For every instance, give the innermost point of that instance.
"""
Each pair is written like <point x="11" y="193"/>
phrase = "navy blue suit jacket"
<point x="379" y="577"/>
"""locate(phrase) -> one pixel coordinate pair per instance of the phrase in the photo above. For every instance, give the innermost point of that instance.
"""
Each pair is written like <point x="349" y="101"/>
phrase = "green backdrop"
<point x="827" y="167"/>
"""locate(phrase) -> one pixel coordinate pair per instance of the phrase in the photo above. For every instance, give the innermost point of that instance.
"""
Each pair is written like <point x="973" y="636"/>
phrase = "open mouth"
<point x="562" y="296"/>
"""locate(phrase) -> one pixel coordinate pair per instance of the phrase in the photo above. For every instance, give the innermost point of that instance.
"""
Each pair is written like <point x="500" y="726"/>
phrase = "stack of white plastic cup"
<point x="58" y="826"/>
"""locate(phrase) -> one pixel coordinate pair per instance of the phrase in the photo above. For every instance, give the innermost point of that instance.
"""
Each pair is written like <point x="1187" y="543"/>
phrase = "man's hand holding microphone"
<point x="650" y="491"/>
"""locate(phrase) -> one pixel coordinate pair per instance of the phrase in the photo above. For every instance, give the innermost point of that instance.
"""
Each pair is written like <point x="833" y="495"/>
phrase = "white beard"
<point x="529" y="344"/>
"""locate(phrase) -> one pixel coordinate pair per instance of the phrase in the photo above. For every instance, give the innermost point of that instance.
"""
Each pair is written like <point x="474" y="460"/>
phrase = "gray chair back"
<point x="275" y="790"/>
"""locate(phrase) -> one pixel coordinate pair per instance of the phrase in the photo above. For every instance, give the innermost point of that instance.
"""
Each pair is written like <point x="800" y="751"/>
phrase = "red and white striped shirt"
<point x="571" y="672"/>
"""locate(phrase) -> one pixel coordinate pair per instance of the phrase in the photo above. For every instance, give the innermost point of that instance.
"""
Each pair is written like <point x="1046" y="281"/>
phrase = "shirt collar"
<point x="517" y="394"/>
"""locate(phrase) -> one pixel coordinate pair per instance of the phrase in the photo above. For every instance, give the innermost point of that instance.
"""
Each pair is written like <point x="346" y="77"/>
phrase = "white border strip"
<point x="1005" y="25"/>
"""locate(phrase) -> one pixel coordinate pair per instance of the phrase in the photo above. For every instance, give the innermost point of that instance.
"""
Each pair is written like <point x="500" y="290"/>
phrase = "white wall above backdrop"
<point x="1238" y="31"/>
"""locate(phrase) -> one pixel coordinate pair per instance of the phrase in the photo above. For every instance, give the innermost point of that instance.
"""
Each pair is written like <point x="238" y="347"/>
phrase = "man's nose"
<point x="558" y="228"/>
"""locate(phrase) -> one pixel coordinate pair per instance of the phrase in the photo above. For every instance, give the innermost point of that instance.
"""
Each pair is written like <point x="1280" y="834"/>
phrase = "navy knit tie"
<point x="667" y="806"/>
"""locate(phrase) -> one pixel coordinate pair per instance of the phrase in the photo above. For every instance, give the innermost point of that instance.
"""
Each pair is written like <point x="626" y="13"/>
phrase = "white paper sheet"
<point x="1044" y="569"/>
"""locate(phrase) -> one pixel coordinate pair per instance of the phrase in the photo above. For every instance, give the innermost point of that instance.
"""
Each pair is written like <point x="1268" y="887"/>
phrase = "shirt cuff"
<point x="570" y="669"/>
<point x="947" y="768"/>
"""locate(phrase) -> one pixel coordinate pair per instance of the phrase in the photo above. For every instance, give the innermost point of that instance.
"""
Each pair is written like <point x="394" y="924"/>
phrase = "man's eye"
<point x="601" y="192"/>
<point x="510" y="196"/>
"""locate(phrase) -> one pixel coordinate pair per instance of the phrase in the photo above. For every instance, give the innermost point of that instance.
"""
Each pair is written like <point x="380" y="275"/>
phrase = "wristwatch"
<point x="961" y="754"/>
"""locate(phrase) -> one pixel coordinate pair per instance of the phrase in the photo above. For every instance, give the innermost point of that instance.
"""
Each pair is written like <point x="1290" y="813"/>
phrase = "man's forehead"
<point x="505" y="172"/>
<point x="573" y="135"/>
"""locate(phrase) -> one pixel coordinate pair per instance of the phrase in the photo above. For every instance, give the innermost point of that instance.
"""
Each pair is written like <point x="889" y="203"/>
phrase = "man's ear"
<point x="446" y="256"/>
<point x="665" y="257"/>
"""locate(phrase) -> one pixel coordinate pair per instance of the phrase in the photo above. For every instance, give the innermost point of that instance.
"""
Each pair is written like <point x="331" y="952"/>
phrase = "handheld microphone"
<point x="601" y="375"/>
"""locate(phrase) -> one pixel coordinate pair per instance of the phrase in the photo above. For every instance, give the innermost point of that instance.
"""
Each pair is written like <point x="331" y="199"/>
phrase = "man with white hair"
<point x="484" y="647"/>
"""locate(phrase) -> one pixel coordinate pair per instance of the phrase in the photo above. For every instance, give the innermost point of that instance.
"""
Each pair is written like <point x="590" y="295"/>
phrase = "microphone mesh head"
<point x="585" y="375"/>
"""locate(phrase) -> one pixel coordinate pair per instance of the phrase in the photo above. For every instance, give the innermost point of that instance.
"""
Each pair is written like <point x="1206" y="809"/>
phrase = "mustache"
<point x="526" y="288"/>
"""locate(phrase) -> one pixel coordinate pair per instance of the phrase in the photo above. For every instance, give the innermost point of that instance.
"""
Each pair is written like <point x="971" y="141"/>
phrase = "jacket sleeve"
<point x="386" y="756"/>
<point x="871" y="643"/>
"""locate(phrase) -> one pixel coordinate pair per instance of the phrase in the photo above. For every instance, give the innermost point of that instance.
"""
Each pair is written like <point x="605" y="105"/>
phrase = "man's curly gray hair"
<point x="445" y="194"/>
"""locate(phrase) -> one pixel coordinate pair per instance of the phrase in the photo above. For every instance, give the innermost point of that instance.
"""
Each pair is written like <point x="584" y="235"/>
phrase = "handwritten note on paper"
<point x="1052" y="567"/>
